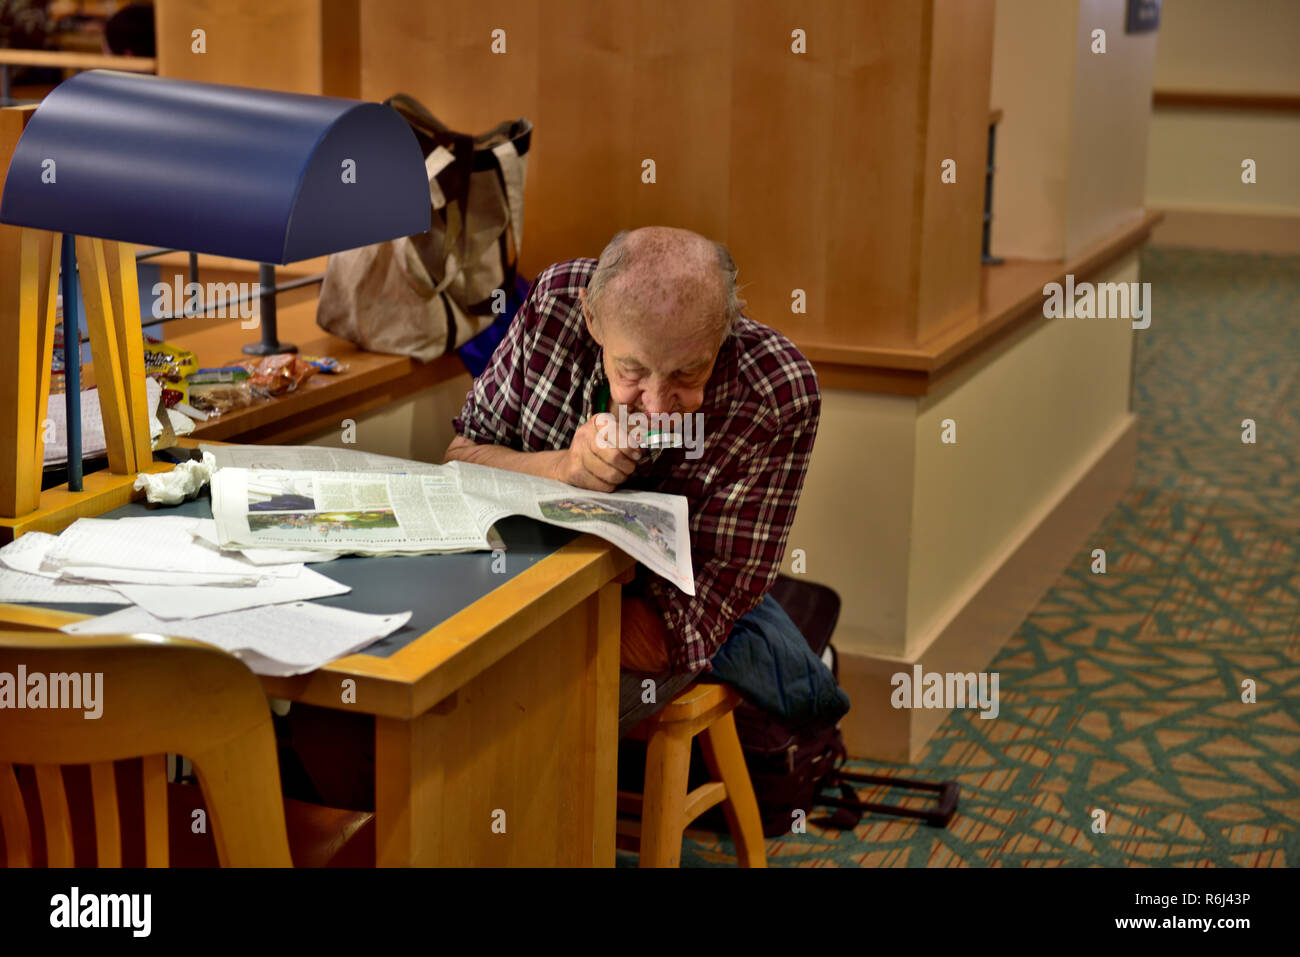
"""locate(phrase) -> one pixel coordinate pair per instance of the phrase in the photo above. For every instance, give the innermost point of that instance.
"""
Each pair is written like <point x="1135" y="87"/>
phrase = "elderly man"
<point x="654" y="326"/>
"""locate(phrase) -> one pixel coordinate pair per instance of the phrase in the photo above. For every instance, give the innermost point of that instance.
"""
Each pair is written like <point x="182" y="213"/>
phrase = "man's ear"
<point x="586" y="316"/>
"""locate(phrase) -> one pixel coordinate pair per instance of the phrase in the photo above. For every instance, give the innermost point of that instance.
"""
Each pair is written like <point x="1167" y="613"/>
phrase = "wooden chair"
<point x="667" y="808"/>
<point x="158" y="696"/>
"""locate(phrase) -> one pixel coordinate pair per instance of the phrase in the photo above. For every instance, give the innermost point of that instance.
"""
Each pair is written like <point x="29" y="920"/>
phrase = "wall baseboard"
<point x="1229" y="230"/>
<point x="992" y="611"/>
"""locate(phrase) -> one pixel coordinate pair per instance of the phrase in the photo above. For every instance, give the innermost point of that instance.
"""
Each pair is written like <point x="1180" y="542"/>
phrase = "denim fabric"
<point x="768" y="661"/>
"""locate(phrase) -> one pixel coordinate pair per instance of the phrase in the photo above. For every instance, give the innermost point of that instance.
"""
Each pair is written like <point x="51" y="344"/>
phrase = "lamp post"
<point x="114" y="158"/>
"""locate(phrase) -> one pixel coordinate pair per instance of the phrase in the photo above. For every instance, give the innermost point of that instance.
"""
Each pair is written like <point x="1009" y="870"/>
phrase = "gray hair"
<point x="614" y="257"/>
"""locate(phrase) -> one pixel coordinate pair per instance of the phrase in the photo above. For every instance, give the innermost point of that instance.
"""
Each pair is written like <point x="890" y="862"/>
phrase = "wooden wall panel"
<point x="960" y="75"/>
<point x="781" y="149"/>
<point x="298" y="46"/>
<point x="812" y="167"/>
<point x="874" y="176"/>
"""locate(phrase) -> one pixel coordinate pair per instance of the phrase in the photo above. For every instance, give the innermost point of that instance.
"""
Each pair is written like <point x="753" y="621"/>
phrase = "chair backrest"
<point x="93" y="700"/>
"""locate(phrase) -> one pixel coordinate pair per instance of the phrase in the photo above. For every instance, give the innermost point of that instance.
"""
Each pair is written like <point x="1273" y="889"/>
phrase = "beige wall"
<point x="1196" y="155"/>
<point x="1245" y="45"/>
<point x="1033" y="66"/>
<point x="1109" y="117"/>
<point x="905" y="527"/>
<point x="418" y="427"/>
<point x="1194" y="164"/>
<point x="855" y="513"/>
<point x="1071" y="152"/>
<point x="1028" y="420"/>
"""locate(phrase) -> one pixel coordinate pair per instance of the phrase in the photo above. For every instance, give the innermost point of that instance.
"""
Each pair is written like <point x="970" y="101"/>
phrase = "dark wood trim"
<point x="1226" y="100"/>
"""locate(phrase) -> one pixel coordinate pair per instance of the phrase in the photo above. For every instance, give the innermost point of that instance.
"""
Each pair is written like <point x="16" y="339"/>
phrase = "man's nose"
<point x="657" y="400"/>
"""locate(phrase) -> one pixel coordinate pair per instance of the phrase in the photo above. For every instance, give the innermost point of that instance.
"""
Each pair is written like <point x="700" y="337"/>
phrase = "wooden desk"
<point x="505" y="711"/>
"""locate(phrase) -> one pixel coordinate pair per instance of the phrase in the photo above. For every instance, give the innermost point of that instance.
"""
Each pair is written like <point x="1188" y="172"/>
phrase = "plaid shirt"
<point x="761" y="408"/>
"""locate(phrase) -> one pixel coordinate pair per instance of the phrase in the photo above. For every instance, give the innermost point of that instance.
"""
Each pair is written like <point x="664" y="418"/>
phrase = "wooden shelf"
<point x="371" y="381"/>
<point x="78" y="61"/>
<point x="1011" y="296"/>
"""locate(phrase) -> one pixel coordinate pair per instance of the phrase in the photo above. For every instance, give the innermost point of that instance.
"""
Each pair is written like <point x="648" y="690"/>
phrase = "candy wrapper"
<point x="169" y="365"/>
<point x="168" y="362"/>
<point x="327" y="364"/>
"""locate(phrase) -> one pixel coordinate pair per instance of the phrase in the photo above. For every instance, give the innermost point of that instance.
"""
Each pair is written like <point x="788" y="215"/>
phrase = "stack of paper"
<point x="92" y="423"/>
<point x="183" y="585"/>
<point x="274" y="639"/>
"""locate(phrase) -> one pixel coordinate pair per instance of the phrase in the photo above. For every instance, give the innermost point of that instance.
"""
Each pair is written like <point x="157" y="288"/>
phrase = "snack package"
<point x="169" y="365"/>
<point x="276" y="375"/>
<point x="168" y="362"/>
<point x="217" y="398"/>
<point x="327" y="364"/>
<point x="217" y="375"/>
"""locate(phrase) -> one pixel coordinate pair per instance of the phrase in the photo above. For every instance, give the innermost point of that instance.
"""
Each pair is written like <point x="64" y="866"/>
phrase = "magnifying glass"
<point x="662" y="440"/>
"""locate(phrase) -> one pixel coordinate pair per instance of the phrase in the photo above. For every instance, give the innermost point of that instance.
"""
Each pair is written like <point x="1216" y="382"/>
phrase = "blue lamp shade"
<point x="253" y="174"/>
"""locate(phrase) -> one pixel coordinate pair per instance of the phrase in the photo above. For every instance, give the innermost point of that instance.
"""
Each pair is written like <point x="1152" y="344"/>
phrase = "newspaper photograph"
<point x="383" y="505"/>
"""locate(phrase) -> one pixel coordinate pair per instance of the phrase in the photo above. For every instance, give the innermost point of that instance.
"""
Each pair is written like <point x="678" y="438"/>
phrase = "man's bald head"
<point x="664" y="279"/>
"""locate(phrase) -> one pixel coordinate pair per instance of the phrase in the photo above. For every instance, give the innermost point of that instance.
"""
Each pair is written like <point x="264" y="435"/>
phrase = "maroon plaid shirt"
<point x="761" y="408"/>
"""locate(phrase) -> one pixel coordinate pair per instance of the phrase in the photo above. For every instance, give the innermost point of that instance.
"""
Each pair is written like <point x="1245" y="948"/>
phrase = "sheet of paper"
<point x="23" y="587"/>
<point x="26" y="553"/>
<point x="206" y="531"/>
<point x="273" y="639"/>
<point x="152" y="576"/>
<point x="171" y="602"/>
<point x="160" y="544"/>
<point x="92" y="423"/>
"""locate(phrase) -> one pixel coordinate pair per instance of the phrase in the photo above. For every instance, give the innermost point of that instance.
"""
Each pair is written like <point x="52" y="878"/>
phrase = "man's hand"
<point x="593" y="461"/>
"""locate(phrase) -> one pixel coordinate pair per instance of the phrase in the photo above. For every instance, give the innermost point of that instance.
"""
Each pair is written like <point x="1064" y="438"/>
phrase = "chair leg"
<point x="667" y="768"/>
<point x="726" y="761"/>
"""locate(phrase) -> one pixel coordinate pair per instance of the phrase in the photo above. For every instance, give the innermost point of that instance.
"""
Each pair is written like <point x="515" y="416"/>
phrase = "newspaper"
<point x="262" y="496"/>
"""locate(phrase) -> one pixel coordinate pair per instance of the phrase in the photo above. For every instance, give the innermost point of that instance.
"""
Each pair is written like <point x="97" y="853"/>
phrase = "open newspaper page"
<point x="364" y="513"/>
<point x="313" y="458"/>
<point x="300" y="497"/>
<point x="650" y="526"/>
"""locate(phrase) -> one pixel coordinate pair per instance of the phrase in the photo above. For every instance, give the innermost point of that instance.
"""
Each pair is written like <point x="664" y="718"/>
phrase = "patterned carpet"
<point x="1123" y="691"/>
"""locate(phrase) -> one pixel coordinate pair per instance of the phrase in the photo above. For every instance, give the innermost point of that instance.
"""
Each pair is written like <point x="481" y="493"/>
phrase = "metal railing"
<point x="269" y="344"/>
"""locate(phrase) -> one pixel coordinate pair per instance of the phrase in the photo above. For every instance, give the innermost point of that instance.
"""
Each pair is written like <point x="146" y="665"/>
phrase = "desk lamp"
<point x="112" y="158"/>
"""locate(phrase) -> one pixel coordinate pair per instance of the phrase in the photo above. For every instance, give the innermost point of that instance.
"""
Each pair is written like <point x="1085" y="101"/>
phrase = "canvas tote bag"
<point x="426" y="294"/>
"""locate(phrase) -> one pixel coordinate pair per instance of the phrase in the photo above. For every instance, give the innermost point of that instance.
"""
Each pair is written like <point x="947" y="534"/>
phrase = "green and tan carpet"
<point x="1123" y="692"/>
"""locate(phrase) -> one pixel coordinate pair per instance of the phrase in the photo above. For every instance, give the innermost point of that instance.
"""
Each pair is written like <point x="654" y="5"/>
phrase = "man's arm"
<point x="589" y="462"/>
<point x="542" y="464"/>
<point x="738" y="538"/>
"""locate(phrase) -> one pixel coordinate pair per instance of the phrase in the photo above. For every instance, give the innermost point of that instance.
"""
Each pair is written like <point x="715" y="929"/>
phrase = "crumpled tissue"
<point x="182" y="482"/>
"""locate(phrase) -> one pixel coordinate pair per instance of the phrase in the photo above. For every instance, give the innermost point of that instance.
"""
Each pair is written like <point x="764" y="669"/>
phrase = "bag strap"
<point x="501" y="149"/>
